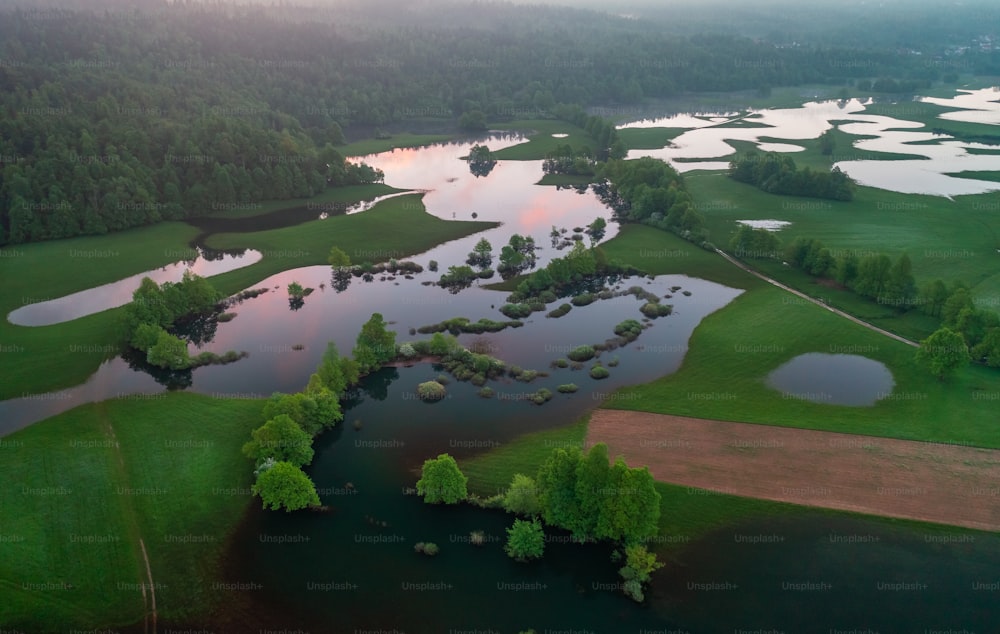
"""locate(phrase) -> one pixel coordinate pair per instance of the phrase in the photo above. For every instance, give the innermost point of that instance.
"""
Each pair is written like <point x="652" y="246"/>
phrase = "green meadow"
<point x="81" y="489"/>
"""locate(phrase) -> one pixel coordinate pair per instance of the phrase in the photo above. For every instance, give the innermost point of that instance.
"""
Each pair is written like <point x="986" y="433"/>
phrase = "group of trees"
<point x="283" y="444"/>
<point x="192" y="106"/>
<point x="650" y="191"/>
<point x="777" y="173"/>
<point x="873" y="275"/>
<point x="584" y="494"/>
<point x="481" y="160"/>
<point x="161" y="320"/>
<point x="517" y="256"/>
<point x="967" y="331"/>
<point x="566" y="160"/>
<point x="593" y="499"/>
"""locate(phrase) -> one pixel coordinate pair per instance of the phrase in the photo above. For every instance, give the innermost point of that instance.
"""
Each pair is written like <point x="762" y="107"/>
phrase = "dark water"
<point x="345" y="572"/>
<point x="839" y="379"/>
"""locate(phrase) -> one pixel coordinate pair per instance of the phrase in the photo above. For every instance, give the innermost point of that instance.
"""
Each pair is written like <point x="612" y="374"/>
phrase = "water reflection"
<point x="935" y="155"/>
<point x="94" y="300"/>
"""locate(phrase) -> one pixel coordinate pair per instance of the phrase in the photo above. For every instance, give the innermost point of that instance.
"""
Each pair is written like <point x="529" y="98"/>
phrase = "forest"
<point x="128" y="114"/>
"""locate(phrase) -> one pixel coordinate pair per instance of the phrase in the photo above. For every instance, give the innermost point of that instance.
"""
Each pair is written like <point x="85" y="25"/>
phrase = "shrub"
<point x="583" y="299"/>
<point x="567" y="388"/>
<point x="599" y="372"/>
<point x="516" y="311"/>
<point x="431" y="391"/>
<point x="559" y="312"/>
<point x="651" y="310"/>
<point x="407" y="351"/>
<point x="432" y="265"/>
<point x="581" y="353"/>
<point x="629" y="329"/>
<point x="486" y="392"/>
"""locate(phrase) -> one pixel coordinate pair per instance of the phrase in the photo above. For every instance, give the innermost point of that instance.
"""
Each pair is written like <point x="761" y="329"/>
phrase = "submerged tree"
<point x="286" y="486"/>
<point x="442" y="481"/>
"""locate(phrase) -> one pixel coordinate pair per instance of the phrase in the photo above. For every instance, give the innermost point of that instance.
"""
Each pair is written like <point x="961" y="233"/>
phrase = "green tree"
<point x="639" y="566"/>
<point x="827" y="143"/>
<point x="943" y="352"/>
<point x="295" y="290"/>
<point x="282" y="439"/>
<point x="169" y="352"/>
<point x="375" y="345"/>
<point x="338" y="259"/>
<point x="286" y="486"/>
<point x="592" y="492"/>
<point x="632" y="509"/>
<point x="331" y="371"/>
<point x="988" y="350"/>
<point x="556" y="482"/>
<point x="442" y="481"/>
<point x="521" y="497"/>
<point x="596" y="230"/>
<point x="482" y="254"/>
<point x="525" y="540"/>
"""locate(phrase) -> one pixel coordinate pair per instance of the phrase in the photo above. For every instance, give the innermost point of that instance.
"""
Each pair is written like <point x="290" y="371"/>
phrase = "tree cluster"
<point x="650" y="191"/>
<point x="777" y="173"/>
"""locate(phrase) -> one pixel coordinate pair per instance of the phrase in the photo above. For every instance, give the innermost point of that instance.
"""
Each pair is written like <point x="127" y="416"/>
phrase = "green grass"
<point x="663" y="253"/>
<point x="160" y="483"/>
<point x="979" y="176"/>
<point x="565" y="180"/>
<point x="648" y="138"/>
<point x="540" y="140"/>
<point x="364" y="147"/>
<point x="395" y="228"/>
<point x="951" y="239"/>
<point x="733" y="350"/>
<point x="348" y="195"/>
<point x="45" y="358"/>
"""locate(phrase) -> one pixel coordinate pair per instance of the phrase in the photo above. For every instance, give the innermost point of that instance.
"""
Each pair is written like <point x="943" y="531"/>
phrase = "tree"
<point x="639" y="567"/>
<point x="592" y="492"/>
<point x="169" y="352"/>
<point x="943" y="352"/>
<point x="442" y="481"/>
<point x="596" y="230"/>
<point x="295" y="290"/>
<point x="482" y="254"/>
<point x="338" y="259"/>
<point x="556" y="482"/>
<point x="988" y="350"/>
<point x="521" y="497"/>
<point x="375" y="345"/>
<point x="285" y="486"/>
<point x="631" y="512"/>
<point x="827" y="143"/>
<point x="331" y="372"/>
<point x="525" y="540"/>
<point x="282" y="439"/>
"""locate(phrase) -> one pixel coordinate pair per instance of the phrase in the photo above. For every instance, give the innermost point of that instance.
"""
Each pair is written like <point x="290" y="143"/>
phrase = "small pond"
<point x="835" y="379"/>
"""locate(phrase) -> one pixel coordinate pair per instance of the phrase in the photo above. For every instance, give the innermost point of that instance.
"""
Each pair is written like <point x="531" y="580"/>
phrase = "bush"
<point x="432" y="265"/>
<point x="583" y="299"/>
<point x="559" y="312"/>
<point x="651" y="310"/>
<point x="486" y="392"/>
<point x="431" y="391"/>
<point x="581" y="353"/>
<point x="516" y="311"/>
<point x="599" y="372"/>
<point x="541" y="396"/>
<point x="407" y="351"/>
<point x="567" y="388"/>
<point x="629" y="329"/>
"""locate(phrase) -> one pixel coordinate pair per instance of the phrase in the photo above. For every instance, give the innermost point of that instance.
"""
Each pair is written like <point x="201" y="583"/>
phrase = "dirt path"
<point x="149" y="602"/>
<point x="897" y="478"/>
<point x="837" y="311"/>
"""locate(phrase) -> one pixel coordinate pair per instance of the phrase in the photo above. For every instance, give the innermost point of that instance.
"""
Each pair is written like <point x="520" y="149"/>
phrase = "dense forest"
<point x="132" y="113"/>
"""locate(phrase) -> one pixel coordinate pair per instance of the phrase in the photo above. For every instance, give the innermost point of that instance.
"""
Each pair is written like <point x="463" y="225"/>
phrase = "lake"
<point x="354" y="569"/>
<point x="935" y="155"/>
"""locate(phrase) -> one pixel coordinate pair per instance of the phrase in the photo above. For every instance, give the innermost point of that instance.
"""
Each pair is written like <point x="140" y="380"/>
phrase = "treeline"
<point x="889" y="282"/>
<point x="139" y="114"/>
<point x="650" y="191"/>
<point x="777" y="174"/>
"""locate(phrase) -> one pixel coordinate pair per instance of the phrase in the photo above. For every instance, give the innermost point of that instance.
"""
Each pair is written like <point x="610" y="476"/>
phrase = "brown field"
<point x="932" y="482"/>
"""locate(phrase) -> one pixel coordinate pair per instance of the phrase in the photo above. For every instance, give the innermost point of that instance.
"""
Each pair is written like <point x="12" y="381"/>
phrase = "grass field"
<point x="365" y="147"/>
<point x="41" y="359"/>
<point x="348" y="195"/>
<point x="82" y="488"/>
<point x="540" y="140"/>
<point x="648" y="138"/>
<point x="951" y="239"/>
<point x="733" y="350"/>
